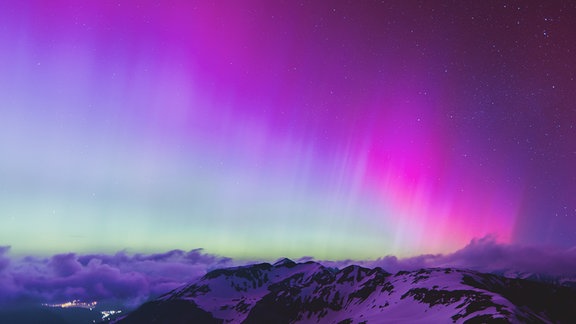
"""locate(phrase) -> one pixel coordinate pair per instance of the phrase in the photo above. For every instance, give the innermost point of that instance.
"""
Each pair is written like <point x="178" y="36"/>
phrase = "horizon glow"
<point x="268" y="129"/>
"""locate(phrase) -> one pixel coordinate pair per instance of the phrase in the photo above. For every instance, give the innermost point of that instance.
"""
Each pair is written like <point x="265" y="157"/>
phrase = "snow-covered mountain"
<point x="289" y="292"/>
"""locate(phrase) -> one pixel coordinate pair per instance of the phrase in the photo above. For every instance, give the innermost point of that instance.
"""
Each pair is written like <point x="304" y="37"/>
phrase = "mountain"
<point x="560" y="280"/>
<point x="289" y="292"/>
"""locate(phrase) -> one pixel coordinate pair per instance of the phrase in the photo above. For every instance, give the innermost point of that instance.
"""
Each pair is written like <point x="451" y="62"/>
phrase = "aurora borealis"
<point x="260" y="129"/>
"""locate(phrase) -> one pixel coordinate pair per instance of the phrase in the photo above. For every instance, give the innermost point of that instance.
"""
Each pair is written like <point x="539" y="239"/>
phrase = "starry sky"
<point x="258" y="129"/>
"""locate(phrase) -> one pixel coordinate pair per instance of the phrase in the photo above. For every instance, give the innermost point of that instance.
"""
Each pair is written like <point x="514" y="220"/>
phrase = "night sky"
<point x="261" y="129"/>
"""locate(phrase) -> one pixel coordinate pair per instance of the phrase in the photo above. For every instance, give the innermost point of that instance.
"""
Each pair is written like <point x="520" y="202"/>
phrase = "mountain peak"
<point x="285" y="262"/>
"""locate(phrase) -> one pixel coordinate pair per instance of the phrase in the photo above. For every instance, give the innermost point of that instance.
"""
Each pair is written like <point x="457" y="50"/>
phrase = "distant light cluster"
<point x="106" y="314"/>
<point x="74" y="304"/>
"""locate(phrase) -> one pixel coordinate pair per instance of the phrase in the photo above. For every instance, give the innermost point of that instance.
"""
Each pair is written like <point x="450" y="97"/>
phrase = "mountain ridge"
<point x="290" y="292"/>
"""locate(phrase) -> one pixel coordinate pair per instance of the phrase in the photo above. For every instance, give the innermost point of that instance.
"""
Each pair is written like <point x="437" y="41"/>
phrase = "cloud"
<point x="4" y="261"/>
<point x="128" y="278"/>
<point x="65" y="264"/>
<point x="487" y="255"/>
<point x="484" y="255"/>
<point x="133" y="278"/>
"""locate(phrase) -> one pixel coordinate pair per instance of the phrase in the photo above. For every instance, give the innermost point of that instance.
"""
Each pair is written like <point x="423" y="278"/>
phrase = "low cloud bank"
<point x="133" y="278"/>
<point x="129" y="279"/>
<point x="485" y="255"/>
